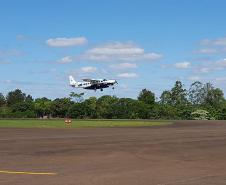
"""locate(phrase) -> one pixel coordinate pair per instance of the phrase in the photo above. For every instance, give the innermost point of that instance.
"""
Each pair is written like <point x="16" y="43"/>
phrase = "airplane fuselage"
<point x="98" y="86"/>
<point x="92" y="84"/>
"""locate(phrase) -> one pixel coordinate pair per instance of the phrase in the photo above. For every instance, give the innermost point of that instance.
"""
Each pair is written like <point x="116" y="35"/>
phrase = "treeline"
<point x="200" y="101"/>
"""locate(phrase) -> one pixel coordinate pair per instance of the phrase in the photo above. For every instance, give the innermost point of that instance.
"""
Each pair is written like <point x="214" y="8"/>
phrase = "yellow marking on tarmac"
<point x="28" y="173"/>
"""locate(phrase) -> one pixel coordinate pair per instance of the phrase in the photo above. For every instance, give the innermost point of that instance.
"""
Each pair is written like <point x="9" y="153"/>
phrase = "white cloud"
<point x="205" y="70"/>
<point x="215" y="42"/>
<point x="88" y="69"/>
<point x="127" y="75"/>
<point x="118" y="51"/>
<point x="124" y="66"/>
<point x="207" y="51"/>
<point x="211" y="66"/>
<point x="7" y="81"/>
<point x="182" y="65"/>
<point x="221" y="79"/>
<point x="213" y="46"/>
<point x="21" y="37"/>
<point x="221" y="64"/>
<point x="10" y="53"/>
<point x="194" y="78"/>
<point x="65" y="60"/>
<point x="66" y="42"/>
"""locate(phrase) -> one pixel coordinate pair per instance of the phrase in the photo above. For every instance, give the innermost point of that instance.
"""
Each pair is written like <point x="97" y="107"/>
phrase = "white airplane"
<point x="92" y="84"/>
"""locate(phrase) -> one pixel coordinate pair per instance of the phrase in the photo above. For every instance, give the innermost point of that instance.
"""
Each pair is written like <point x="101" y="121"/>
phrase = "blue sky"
<point x="141" y="43"/>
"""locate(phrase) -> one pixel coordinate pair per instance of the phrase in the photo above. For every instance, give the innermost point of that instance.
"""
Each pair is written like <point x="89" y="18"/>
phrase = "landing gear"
<point x="101" y="89"/>
<point x="113" y="88"/>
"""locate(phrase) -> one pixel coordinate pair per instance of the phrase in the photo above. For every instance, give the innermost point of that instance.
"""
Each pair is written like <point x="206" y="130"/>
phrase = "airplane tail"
<point x="72" y="81"/>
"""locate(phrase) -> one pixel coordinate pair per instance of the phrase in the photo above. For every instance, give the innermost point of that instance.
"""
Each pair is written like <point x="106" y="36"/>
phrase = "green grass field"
<point x="79" y="123"/>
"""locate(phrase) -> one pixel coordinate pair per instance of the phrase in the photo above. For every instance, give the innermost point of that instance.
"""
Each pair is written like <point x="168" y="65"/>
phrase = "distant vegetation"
<point x="56" y="123"/>
<point x="200" y="101"/>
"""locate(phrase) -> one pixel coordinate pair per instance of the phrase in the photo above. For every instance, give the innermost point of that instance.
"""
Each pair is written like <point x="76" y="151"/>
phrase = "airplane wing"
<point x="92" y="81"/>
<point x="86" y="80"/>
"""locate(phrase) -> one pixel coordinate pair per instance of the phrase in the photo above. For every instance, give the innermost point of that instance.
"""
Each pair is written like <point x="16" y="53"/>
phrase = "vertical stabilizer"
<point x="72" y="81"/>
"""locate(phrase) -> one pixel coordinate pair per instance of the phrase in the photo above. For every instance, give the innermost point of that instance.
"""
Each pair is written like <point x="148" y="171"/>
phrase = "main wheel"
<point x="101" y="89"/>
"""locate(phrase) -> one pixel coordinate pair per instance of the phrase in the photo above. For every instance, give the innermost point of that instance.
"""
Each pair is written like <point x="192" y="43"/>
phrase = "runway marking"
<point x="27" y="173"/>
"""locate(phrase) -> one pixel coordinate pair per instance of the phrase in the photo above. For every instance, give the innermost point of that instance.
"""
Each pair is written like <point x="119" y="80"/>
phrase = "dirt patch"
<point x="186" y="153"/>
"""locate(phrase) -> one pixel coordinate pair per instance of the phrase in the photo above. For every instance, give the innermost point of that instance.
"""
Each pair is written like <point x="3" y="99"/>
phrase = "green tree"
<point x="2" y="100"/>
<point x="165" y="98"/>
<point x="75" y="111"/>
<point x="213" y="96"/>
<point x="124" y="109"/>
<point x="60" y="107"/>
<point x="42" y="107"/>
<point x="178" y="94"/>
<point x="146" y="96"/>
<point x="167" y="112"/>
<point x="196" y="93"/>
<point x="77" y="97"/>
<point x="105" y="106"/>
<point x="206" y="95"/>
<point x="222" y="112"/>
<point x="29" y="99"/>
<point x="141" y="109"/>
<point x="22" y="107"/>
<point x="15" y="97"/>
<point x="91" y="107"/>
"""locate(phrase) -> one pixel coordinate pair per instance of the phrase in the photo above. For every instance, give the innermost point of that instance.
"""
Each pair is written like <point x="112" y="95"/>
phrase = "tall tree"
<point x="213" y="96"/>
<point x="42" y="107"/>
<point x="77" y="97"/>
<point x="124" y="109"/>
<point x="105" y="106"/>
<point x="60" y="107"/>
<point x="178" y="94"/>
<point x="29" y="99"/>
<point x="205" y="94"/>
<point x="165" y="98"/>
<point x="196" y="93"/>
<point x="146" y="96"/>
<point x="15" y="97"/>
<point x="91" y="107"/>
<point x="2" y="100"/>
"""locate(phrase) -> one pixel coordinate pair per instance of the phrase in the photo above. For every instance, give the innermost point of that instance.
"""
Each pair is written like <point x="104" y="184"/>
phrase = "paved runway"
<point x="186" y="153"/>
